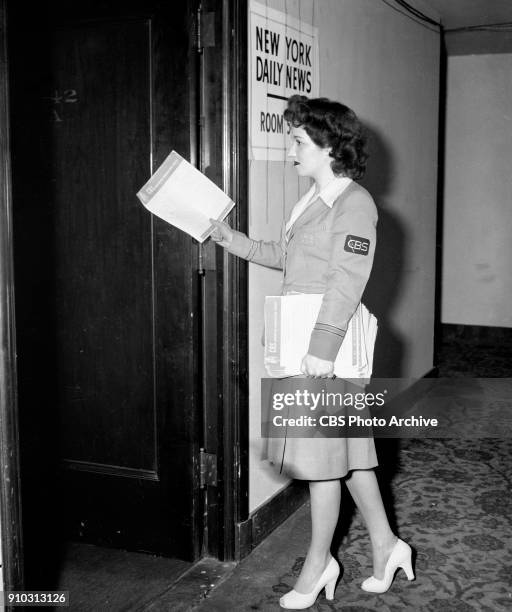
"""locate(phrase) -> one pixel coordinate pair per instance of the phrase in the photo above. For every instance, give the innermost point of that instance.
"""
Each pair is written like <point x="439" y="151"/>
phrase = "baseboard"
<point x="476" y="332"/>
<point x="432" y="373"/>
<point x="401" y="403"/>
<point x="269" y="516"/>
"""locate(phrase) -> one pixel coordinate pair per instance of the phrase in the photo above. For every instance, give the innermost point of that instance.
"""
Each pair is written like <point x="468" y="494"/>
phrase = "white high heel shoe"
<point x="400" y="556"/>
<point x="299" y="601"/>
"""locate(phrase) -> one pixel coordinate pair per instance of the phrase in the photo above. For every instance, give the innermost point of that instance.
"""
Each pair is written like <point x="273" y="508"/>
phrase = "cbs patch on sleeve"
<point x="357" y="245"/>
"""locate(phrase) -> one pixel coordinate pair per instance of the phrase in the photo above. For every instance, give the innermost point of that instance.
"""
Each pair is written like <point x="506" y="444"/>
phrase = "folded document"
<point x="289" y="321"/>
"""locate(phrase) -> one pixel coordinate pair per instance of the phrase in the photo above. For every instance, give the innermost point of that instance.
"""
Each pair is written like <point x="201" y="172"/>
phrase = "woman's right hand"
<point x="222" y="234"/>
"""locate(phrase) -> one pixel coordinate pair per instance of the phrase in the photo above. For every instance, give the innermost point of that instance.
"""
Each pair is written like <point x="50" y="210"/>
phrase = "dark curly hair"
<point x="331" y="124"/>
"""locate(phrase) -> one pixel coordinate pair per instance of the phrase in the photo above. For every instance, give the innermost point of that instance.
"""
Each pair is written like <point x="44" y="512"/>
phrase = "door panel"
<point x="108" y="313"/>
<point x="103" y="245"/>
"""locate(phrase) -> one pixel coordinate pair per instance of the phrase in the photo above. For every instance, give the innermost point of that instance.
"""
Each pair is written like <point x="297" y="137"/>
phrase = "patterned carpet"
<point x="450" y="499"/>
<point x="453" y="505"/>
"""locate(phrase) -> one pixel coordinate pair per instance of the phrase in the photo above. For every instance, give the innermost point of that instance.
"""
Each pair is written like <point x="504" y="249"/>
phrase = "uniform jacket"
<point x="329" y="250"/>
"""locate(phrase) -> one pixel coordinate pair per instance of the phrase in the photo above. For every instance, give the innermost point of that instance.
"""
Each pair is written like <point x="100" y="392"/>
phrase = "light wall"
<point x="386" y="67"/>
<point x="477" y="225"/>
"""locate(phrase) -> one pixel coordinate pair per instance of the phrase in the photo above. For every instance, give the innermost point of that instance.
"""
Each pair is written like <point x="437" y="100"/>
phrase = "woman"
<point x="327" y="247"/>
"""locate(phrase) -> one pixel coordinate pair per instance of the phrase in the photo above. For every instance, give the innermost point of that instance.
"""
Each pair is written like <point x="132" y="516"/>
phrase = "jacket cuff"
<point x="325" y="343"/>
<point x="241" y="245"/>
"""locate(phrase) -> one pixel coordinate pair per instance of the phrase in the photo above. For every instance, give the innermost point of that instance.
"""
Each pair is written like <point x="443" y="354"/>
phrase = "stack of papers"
<point x="184" y="197"/>
<point x="289" y="321"/>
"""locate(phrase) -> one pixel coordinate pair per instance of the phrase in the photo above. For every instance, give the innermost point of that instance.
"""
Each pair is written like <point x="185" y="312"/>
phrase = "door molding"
<point x="223" y="157"/>
<point x="236" y="360"/>
<point x="111" y="470"/>
<point x="10" y="501"/>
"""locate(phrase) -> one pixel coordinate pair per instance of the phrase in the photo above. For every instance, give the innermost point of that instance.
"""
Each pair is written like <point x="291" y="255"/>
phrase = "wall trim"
<point x="484" y="332"/>
<point x="269" y="516"/>
<point x="400" y="405"/>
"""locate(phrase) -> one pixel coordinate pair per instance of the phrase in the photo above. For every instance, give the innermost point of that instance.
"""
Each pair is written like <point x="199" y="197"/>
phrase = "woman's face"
<point x="309" y="159"/>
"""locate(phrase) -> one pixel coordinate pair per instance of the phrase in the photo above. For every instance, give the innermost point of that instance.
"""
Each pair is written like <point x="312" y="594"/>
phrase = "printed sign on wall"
<point x="283" y="59"/>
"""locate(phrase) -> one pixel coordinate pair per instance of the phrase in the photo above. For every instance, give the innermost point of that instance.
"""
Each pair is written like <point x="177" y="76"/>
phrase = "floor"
<point x="106" y="579"/>
<point x="450" y="498"/>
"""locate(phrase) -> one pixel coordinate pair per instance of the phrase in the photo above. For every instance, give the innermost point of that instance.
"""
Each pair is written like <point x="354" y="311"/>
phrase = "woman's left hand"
<point x="316" y="367"/>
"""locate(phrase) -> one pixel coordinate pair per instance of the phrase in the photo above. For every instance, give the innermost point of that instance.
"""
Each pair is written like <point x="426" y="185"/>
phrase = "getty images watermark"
<point x="397" y="408"/>
<point x="304" y="398"/>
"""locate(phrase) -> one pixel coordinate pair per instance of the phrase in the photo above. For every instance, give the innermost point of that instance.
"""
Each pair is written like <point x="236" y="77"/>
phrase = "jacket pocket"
<point x="314" y="238"/>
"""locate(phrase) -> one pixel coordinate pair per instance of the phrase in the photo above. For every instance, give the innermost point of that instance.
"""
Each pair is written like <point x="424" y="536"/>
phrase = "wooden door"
<point x="107" y="296"/>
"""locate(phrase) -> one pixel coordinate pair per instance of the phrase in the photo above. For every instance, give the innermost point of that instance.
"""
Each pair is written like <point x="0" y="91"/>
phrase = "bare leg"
<point x="325" y="507"/>
<point x="364" y="488"/>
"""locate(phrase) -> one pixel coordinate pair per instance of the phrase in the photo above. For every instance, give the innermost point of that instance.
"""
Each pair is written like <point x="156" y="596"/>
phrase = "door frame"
<point x="223" y="154"/>
<point x="10" y="500"/>
<point x="236" y="351"/>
